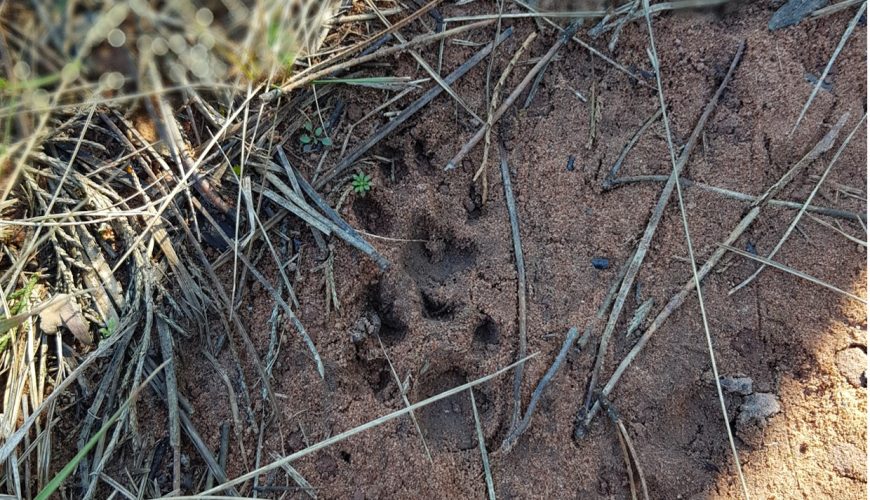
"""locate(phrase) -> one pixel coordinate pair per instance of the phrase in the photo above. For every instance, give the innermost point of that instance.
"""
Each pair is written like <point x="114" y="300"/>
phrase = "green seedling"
<point x="362" y="183"/>
<point x="110" y="328"/>
<point x="21" y="297"/>
<point x="313" y="136"/>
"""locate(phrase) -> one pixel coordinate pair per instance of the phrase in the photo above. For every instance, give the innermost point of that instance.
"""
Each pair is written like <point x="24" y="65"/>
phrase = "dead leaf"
<point x="65" y="311"/>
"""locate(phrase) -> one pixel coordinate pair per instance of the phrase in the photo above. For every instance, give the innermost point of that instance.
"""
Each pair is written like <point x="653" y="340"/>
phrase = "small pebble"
<point x="757" y="408"/>
<point x="600" y="263"/>
<point x="750" y="247"/>
<point x="570" y="166"/>
<point x="813" y="79"/>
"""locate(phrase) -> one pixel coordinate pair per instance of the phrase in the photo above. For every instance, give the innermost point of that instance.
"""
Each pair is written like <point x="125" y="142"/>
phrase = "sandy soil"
<point x="448" y="305"/>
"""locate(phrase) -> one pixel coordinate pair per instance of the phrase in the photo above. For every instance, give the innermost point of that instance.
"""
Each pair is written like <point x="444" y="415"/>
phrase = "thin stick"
<point x="592" y="50"/>
<point x="838" y="230"/>
<point x="601" y="313"/>
<point x="298" y="478"/>
<point x="833" y="9"/>
<point x="355" y="18"/>
<point x="361" y="428"/>
<point x="829" y="212"/>
<point x="417" y="105"/>
<point x="661" y="7"/>
<point x="492" y="107"/>
<point x="577" y="14"/>
<point x="405" y="399"/>
<point x="330" y="66"/>
<point x="214" y="467"/>
<point x="422" y="62"/>
<point x="521" y="286"/>
<point x="803" y="209"/>
<point x="560" y="42"/>
<point x="487" y="95"/>
<point x="846" y="34"/>
<point x="518" y="430"/>
<point x="650" y="230"/>
<point x="275" y="295"/>
<point x="171" y="401"/>
<point x="628" y="447"/>
<point x="633" y="454"/>
<point x="677" y="300"/>
<point x="628" y="147"/>
<point x="234" y="406"/>
<point x="625" y="458"/>
<point x="13" y="440"/>
<point x="368" y="249"/>
<point x="676" y="175"/>
<point x="484" y="457"/>
<point x="327" y="226"/>
<point x="799" y="274"/>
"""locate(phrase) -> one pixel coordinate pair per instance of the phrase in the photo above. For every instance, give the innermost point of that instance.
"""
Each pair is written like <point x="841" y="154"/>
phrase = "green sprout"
<point x="313" y="136"/>
<point x="110" y="328"/>
<point x="361" y="183"/>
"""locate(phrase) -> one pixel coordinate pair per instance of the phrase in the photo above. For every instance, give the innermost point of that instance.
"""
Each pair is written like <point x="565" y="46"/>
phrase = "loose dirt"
<point x="447" y="308"/>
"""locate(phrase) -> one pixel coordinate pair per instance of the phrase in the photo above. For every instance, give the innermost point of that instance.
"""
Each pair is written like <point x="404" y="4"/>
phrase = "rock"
<point x="752" y="419"/>
<point x="600" y="263"/>
<point x="852" y="363"/>
<point x="793" y="12"/>
<point x="750" y="247"/>
<point x="368" y="325"/>
<point x="849" y="462"/>
<point x="814" y="80"/>
<point x="757" y="408"/>
<point x="738" y="385"/>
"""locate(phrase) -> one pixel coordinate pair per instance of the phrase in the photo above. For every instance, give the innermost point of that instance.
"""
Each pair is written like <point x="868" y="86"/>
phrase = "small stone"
<point x="852" y="363"/>
<point x="739" y="385"/>
<point x="814" y="80"/>
<point x="570" y="166"/>
<point x="750" y="247"/>
<point x="757" y="408"/>
<point x="367" y="326"/>
<point x="600" y="263"/>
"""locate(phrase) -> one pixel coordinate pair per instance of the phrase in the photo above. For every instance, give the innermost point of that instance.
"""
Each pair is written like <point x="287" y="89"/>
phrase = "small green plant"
<point x="110" y="328"/>
<point x="313" y="136"/>
<point x="362" y="183"/>
<point x="21" y="298"/>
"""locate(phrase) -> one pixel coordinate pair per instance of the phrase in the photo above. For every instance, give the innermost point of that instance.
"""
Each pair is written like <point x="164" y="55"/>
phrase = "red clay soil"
<point x="448" y="305"/>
